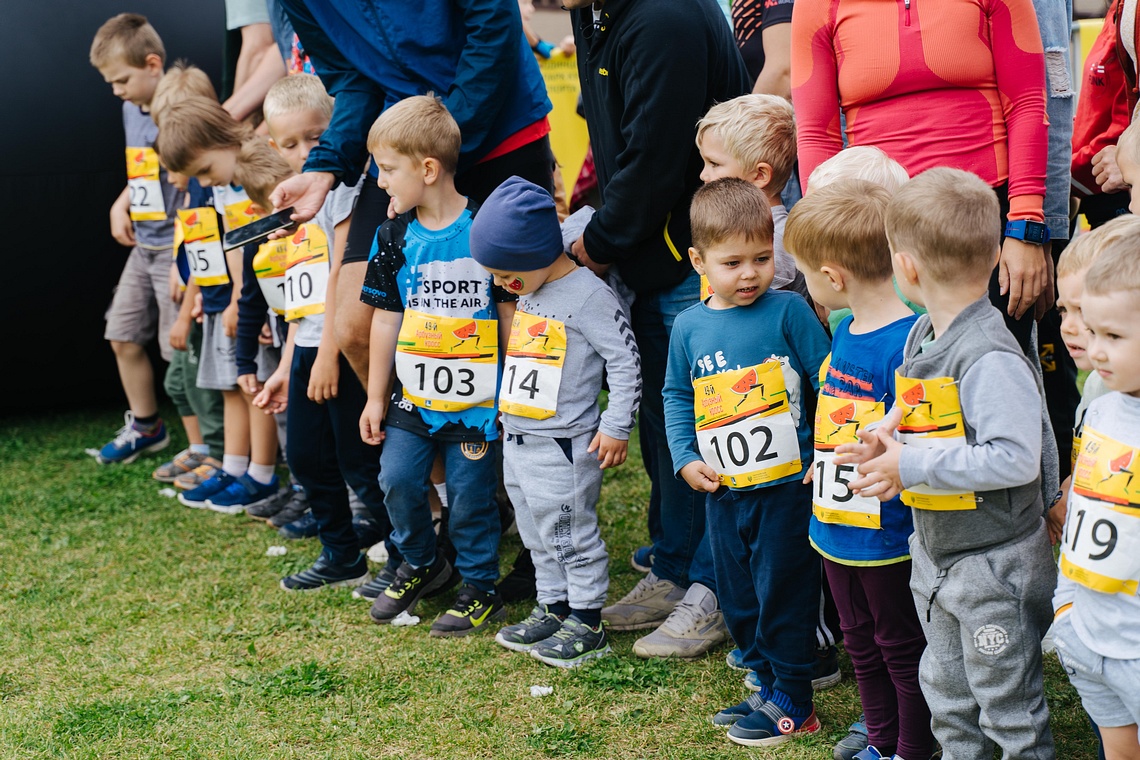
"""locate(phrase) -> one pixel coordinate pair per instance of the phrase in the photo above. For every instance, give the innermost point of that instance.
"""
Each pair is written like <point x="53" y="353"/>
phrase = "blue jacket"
<point x="372" y="53"/>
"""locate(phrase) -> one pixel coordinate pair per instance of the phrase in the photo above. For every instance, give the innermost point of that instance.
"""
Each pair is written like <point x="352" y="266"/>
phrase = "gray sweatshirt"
<point x="1002" y="410"/>
<point x="598" y="339"/>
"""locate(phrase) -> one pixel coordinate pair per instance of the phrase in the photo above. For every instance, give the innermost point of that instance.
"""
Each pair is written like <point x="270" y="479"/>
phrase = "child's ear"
<point x="695" y="260"/>
<point x="431" y="168"/>
<point x="836" y="277"/>
<point x="273" y="144"/>
<point x="906" y="266"/>
<point x="761" y="175"/>
<point x="153" y="63"/>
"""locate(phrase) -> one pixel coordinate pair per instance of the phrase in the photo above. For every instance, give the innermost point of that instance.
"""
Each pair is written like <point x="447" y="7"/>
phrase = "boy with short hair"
<point x="742" y="374"/>
<point x="968" y="414"/>
<point x="568" y="329"/>
<point x="864" y="162"/>
<point x="1097" y="628"/>
<point x="128" y="53"/>
<point x="439" y="321"/>
<point x="838" y="238"/>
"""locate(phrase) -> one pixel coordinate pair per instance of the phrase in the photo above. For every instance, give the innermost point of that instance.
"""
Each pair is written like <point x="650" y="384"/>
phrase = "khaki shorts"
<point x="141" y="308"/>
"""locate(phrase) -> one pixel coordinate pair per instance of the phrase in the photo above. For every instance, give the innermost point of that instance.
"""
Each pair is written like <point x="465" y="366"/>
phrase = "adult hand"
<point x="304" y="192"/>
<point x="1048" y="298"/>
<point x="1023" y="274"/>
<point x="578" y="250"/>
<point x="1106" y="172"/>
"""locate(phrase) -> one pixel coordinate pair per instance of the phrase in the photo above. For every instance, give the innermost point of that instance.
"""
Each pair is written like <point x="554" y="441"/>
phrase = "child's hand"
<point x="179" y="334"/>
<point x="810" y="474"/>
<point x="881" y="474"/>
<point x="121" y="227"/>
<point x="611" y="451"/>
<point x="1055" y="517"/>
<point x="196" y="309"/>
<point x="175" y="285"/>
<point x="869" y="445"/>
<point x="274" y="397"/>
<point x="265" y="337"/>
<point x="230" y="320"/>
<point x="700" y="477"/>
<point x="372" y="422"/>
<point x="249" y="384"/>
<point x="324" y="377"/>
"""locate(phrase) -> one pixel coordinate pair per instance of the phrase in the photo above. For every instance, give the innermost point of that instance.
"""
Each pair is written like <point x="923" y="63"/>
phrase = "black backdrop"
<point x="61" y="167"/>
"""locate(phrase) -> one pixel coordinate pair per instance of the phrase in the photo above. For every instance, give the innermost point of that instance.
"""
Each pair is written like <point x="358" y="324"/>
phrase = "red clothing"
<point x="969" y="94"/>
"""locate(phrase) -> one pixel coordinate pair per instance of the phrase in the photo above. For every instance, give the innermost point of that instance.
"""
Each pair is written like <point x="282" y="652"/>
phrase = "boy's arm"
<point x="324" y="378"/>
<point x="680" y="424"/>
<point x="249" y="311"/>
<point x="180" y="332"/>
<point x="273" y="397"/>
<point x="602" y="322"/>
<point x="122" y="228"/>
<point x="808" y="342"/>
<point x="381" y="358"/>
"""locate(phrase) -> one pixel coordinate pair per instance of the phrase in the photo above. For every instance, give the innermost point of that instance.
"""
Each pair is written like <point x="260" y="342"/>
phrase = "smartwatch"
<point x="1031" y="232"/>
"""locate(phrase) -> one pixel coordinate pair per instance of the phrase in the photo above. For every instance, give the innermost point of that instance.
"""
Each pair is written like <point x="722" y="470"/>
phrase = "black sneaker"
<point x="572" y="645"/>
<point x="266" y="509"/>
<point x="368" y="531"/>
<point x="473" y="609"/>
<point x="325" y="573"/>
<point x="410" y="586"/>
<point x="540" y="624"/>
<point x="518" y="585"/>
<point x="297" y="505"/>
<point x="304" y="526"/>
<point x="826" y="672"/>
<point x="379" y="583"/>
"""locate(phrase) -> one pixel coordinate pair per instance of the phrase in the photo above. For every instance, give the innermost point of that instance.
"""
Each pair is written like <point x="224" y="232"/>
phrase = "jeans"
<point x="1055" y="19"/>
<point x="676" y="515"/>
<point x="473" y="514"/>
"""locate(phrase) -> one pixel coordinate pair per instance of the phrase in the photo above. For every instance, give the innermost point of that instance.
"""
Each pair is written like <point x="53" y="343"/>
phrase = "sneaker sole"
<point x="826" y="682"/>
<point x="639" y="568"/>
<point x="497" y="617"/>
<point x="237" y="509"/>
<point x="151" y="449"/>
<point x="773" y="741"/>
<point x="346" y="583"/>
<point x="730" y="663"/>
<point x="514" y="646"/>
<point x="411" y="608"/>
<point x="581" y="659"/>
<point x="647" y="654"/>
<point x="192" y="504"/>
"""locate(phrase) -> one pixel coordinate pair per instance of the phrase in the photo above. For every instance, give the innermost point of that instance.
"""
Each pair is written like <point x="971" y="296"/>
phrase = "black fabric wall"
<point x="61" y="167"/>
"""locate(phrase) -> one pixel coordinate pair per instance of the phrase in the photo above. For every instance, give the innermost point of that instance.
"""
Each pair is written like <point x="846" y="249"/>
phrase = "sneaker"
<point x="197" y="497"/>
<point x="325" y="573"/>
<point x="695" y="626"/>
<point x="730" y="715"/>
<point x="304" y="526"/>
<point x="540" y="624"/>
<point x="130" y="443"/>
<point x="199" y="475"/>
<point x="642" y="559"/>
<point x="646" y="606"/>
<point x="735" y="660"/>
<point x="184" y="461"/>
<point x="368" y="532"/>
<point x="375" y="587"/>
<point x="826" y="672"/>
<point x="573" y="644"/>
<point x="771" y="725"/>
<point x="410" y="586"/>
<point x="870" y="752"/>
<point x="243" y="492"/>
<point x="267" y="509"/>
<point x="854" y="743"/>
<point x="295" y="507"/>
<point x="473" y="609"/>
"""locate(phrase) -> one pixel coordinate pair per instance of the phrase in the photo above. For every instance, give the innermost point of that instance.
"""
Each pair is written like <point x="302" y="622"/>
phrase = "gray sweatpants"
<point x="984" y="618"/>
<point x="554" y="486"/>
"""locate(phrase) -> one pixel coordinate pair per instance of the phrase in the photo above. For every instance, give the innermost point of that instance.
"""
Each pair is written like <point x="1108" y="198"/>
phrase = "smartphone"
<point x="258" y="231"/>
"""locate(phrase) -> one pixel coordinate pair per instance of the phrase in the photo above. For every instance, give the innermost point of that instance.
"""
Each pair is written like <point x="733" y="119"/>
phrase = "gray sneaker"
<point x="296" y="505"/>
<point x="572" y="644"/>
<point x="695" y="626"/>
<point x="646" y="606"/>
<point x="539" y="625"/>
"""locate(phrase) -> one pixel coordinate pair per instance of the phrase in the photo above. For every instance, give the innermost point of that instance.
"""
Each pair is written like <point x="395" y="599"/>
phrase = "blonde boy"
<point x="129" y="55"/>
<point x="864" y="162"/>
<point x="968" y="413"/>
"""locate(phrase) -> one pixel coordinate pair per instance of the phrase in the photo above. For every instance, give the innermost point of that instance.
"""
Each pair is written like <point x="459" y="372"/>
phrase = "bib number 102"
<point x="443" y="380"/>
<point x="740" y="451"/>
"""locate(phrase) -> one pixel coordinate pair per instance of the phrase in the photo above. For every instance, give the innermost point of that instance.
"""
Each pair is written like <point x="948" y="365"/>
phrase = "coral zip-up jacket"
<point x="958" y="83"/>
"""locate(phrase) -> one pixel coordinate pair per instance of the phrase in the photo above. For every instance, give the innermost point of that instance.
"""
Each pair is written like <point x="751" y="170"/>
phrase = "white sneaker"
<point x="695" y="626"/>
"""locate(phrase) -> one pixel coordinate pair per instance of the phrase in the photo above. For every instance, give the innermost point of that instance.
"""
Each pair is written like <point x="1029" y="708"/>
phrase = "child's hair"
<point x="420" y="127"/>
<point x="182" y="80"/>
<point x="950" y="220"/>
<point x="128" y="37"/>
<point x="1114" y="264"/>
<point x="842" y="224"/>
<point x="193" y="126"/>
<point x="861" y="162"/>
<point x="729" y="208"/>
<point x="259" y="170"/>
<point x="300" y="92"/>
<point x="756" y="129"/>
<point x="1129" y="142"/>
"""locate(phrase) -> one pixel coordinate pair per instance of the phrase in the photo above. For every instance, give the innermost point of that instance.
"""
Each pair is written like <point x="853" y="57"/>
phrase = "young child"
<point x="743" y="370"/>
<point x="568" y="329"/>
<point x="199" y="139"/>
<point x="864" y="162"/>
<point x="129" y="55"/>
<point x="838" y="238"/>
<point x="1097" y="628"/>
<point x="439" y="321"/>
<point x="968" y="413"/>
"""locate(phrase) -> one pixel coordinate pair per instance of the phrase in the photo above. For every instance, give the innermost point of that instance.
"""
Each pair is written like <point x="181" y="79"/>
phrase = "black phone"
<point x="258" y="231"/>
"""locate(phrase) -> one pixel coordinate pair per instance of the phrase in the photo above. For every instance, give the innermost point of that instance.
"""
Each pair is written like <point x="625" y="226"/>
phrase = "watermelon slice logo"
<point x="300" y="236"/>
<point x="192" y="220"/>
<point x="465" y="333"/>
<point x="140" y="157"/>
<point x="914" y="396"/>
<point x="1120" y="466"/>
<point x="251" y="209"/>
<point x="745" y="385"/>
<point x="537" y="331"/>
<point x="844" y="415"/>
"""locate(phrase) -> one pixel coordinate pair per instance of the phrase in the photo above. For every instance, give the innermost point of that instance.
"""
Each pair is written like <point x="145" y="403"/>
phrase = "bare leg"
<point x="263" y="434"/>
<point x="1120" y="742"/>
<point x="137" y="376"/>
<point x="193" y="432"/>
<point x="235" y="414"/>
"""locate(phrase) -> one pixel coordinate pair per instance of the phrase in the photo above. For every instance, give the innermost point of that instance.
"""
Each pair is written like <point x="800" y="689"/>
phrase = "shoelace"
<point x="465" y="604"/>
<point x="641" y="590"/>
<point x="127" y="435"/>
<point x="684" y="616"/>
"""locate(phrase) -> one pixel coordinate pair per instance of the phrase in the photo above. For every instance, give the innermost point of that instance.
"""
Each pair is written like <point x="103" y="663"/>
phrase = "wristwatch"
<point x="1031" y="232"/>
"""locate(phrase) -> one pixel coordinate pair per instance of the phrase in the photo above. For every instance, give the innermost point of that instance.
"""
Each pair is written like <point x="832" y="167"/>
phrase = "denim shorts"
<point x="1109" y="688"/>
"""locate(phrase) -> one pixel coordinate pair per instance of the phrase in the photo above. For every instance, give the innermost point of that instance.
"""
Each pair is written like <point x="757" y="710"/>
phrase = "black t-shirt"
<point x="749" y="19"/>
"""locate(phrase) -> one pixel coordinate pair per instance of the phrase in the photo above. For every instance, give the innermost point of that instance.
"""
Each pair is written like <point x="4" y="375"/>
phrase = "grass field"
<point x="133" y="627"/>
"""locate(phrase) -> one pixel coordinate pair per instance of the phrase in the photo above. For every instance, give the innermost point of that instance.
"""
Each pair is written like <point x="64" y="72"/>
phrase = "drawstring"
<point x="934" y="592"/>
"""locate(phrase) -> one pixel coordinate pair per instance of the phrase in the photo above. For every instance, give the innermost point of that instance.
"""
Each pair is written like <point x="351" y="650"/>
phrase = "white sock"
<point x="262" y="473"/>
<point x="234" y="465"/>
<point x="201" y="449"/>
<point x="441" y="491"/>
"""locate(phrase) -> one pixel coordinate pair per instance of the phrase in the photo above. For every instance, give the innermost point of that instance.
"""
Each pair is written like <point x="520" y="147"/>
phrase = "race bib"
<point x="241" y="213"/>
<point x="932" y="419"/>
<point x="744" y="425"/>
<point x="532" y="372"/>
<point x="306" y="272"/>
<point x="837" y="420"/>
<point x="448" y="364"/>
<point x="1101" y="542"/>
<point x="203" y="246"/>
<point x="1076" y="448"/>
<point x="706" y="289"/>
<point x="269" y="269"/>
<point x="147" y="203"/>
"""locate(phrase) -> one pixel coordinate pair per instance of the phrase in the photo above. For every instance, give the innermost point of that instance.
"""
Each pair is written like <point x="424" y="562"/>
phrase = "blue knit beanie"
<point x="516" y="229"/>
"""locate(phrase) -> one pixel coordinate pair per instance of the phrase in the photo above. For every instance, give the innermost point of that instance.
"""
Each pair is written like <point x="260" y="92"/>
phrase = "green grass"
<point x="133" y="627"/>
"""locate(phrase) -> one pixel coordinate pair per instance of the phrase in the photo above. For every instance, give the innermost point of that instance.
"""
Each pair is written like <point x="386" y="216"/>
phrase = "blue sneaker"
<point x="731" y="715"/>
<point x="196" y="497"/>
<point x="771" y="725"/>
<point x="735" y="660"/>
<point x="854" y="743"/>
<point x="304" y="526"/>
<point x="243" y="492"/>
<point x="130" y="443"/>
<point x="642" y="559"/>
<point x="870" y="752"/>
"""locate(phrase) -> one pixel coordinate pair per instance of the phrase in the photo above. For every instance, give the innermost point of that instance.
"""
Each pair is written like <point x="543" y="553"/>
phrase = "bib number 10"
<point x="444" y="380"/>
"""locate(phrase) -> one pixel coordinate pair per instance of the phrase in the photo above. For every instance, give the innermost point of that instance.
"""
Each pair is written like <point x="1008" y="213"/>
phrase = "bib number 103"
<point x="446" y="381"/>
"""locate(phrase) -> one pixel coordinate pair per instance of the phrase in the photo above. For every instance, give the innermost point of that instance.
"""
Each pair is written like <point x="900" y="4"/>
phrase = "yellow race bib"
<point x="203" y="245"/>
<point x="307" y="272"/>
<point x="240" y="213"/>
<point x="932" y="419"/>
<point x="532" y="372"/>
<point x="1100" y="546"/>
<point x="837" y="420"/>
<point x="143" y="186"/>
<point x="269" y="269"/>
<point x="448" y="364"/>
<point x="745" y="429"/>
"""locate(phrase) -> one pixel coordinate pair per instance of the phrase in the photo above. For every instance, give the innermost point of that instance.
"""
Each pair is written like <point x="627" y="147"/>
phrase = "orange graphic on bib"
<point x="932" y="419"/>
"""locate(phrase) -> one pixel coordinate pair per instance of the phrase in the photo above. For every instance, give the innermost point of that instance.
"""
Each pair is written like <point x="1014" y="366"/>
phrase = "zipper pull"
<point x="906" y="17"/>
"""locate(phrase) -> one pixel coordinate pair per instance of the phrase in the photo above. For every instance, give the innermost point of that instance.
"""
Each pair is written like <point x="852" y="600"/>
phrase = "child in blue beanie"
<point x="568" y="329"/>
